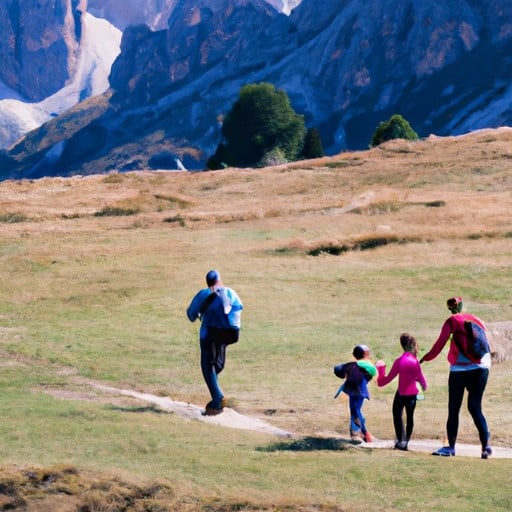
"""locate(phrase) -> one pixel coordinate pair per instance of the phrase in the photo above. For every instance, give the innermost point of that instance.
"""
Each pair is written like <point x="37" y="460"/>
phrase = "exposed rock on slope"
<point x="39" y="45"/>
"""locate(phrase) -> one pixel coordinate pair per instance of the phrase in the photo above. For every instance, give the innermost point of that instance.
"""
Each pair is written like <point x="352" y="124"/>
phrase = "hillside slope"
<point x="99" y="361"/>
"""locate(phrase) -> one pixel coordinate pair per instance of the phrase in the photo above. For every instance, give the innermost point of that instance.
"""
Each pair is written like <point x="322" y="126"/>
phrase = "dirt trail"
<point x="233" y="419"/>
<point x="229" y="417"/>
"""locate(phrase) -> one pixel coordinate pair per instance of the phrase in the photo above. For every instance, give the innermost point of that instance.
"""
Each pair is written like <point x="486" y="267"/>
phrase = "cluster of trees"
<point x="263" y="129"/>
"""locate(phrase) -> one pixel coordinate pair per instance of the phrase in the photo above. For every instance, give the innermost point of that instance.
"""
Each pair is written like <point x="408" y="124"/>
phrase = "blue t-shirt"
<point x="224" y="311"/>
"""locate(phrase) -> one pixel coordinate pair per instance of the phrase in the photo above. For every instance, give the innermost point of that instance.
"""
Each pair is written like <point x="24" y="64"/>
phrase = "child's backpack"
<point x="355" y="376"/>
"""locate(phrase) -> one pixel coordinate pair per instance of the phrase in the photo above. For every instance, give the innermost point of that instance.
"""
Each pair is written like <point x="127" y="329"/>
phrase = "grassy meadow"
<point x="96" y="275"/>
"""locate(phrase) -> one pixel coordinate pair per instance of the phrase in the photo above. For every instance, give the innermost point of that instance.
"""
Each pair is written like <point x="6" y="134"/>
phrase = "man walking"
<point x="219" y="309"/>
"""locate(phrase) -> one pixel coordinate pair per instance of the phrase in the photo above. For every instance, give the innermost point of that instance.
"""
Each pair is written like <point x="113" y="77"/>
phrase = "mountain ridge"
<point x="344" y="69"/>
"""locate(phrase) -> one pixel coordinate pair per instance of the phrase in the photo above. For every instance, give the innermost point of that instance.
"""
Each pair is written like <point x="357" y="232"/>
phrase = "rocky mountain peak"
<point x="202" y="36"/>
<point x="39" y="44"/>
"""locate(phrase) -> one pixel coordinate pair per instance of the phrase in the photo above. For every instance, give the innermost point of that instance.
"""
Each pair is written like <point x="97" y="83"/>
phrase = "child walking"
<point x="409" y="372"/>
<point x="357" y="374"/>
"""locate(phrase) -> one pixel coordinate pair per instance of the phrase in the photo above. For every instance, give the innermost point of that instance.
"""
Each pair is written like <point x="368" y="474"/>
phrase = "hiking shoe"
<point x="486" y="452"/>
<point x="445" y="451"/>
<point x="212" y="411"/>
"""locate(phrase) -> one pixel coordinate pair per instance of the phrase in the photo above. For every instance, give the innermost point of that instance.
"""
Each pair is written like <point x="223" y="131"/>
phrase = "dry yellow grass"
<point x="471" y="175"/>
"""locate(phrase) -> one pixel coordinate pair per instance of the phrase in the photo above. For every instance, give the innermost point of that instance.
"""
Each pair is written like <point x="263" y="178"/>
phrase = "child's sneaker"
<point x="445" y="451"/>
<point x="486" y="452"/>
<point x="367" y="437"/>
<point x="401" y="445"/>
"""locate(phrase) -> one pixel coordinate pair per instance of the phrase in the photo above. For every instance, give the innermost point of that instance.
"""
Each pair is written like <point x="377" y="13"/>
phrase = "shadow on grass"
<point x="363" y="244"/>
<point x="309" y="444"/>
<point x="141" y="409"/>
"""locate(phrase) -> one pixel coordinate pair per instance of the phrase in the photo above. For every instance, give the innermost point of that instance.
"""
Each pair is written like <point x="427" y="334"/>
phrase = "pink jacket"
<point x="454" y="325"/>
<point x="408" y="369"/>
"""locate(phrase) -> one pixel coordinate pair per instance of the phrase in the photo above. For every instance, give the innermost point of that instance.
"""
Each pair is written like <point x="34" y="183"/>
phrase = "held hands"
<point x="380" y="362"/>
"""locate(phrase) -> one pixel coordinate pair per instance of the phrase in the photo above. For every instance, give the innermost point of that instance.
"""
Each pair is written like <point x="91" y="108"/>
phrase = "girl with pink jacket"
<point x="409" y="372"/>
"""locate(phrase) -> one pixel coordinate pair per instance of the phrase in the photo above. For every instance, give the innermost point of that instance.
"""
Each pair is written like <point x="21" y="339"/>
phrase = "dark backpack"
<point x="219" y="335"/>
<point x="478" y="344"/>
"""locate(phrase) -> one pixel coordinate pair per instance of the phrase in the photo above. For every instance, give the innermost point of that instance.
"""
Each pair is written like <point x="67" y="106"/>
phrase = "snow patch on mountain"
<point x="284" y="6"/>
<point x="99" y="46"/>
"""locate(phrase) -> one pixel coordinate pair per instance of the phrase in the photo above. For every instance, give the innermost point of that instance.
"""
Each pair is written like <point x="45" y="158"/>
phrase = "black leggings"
<point x="218" y="356"/>
<point x="474" y="381"/>
<point x="401" y="402"/>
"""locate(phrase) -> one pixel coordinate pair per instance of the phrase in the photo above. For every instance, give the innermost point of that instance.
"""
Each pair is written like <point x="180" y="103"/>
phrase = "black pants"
<point x="218" y="356"/>
<point x="474" y="381"/>
<point x="401" y="402"/>
<point x="213" y="358"/>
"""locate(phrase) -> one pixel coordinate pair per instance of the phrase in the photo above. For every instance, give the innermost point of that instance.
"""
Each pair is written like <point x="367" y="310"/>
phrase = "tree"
<point x="261" y="121"/>
<point x="220" y="159"/>
<point x="313" y="147"/>
<point x="396" y="127"/>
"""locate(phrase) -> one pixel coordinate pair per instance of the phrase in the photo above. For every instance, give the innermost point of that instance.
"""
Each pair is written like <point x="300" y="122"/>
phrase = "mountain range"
<point x="345" y="64"/>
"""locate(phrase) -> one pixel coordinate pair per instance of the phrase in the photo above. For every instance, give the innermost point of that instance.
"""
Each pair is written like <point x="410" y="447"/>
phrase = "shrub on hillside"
<point x="396" y="127"/>
<point x="116" y="211"/>
<point x="273" y="157"/>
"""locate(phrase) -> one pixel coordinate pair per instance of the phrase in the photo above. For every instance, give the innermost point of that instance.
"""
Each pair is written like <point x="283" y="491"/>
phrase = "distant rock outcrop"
<point x="97" y="47"/>
<point x="153" y="13"/>
<point x="199" y="40"/>
<point x="39" y="44"/>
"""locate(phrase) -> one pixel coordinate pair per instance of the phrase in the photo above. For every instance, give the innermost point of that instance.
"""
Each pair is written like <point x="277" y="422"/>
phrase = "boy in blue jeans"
<point x="357" y="374"/>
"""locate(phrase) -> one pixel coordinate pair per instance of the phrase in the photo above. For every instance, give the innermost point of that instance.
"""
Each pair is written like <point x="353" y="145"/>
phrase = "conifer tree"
<point x="313" y="147"/>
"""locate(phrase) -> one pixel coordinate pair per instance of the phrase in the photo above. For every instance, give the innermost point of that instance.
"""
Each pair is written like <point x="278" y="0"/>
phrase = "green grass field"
<point x="102" y="298"/>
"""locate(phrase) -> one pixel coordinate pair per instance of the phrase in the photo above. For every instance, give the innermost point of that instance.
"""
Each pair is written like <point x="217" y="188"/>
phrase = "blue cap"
<point x="212" y="277"/>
